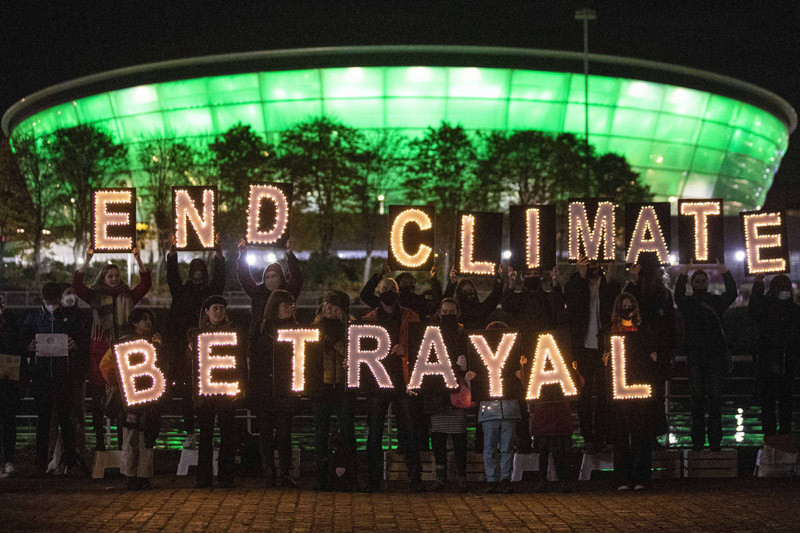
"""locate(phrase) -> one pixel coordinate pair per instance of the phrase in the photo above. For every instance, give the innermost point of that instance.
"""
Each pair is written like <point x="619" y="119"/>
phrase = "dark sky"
<point x="48" y="42"/>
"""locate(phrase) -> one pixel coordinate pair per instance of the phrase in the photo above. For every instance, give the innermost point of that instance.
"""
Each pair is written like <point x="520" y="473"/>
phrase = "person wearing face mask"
<point x="448" y="420"/>
<point x="589" y="296"/>
<point x="406" y="283"/>
<point x="533" y="311"/>
<point x="327" y="387"/>
<point x="633" y="419"/>
<point x="140" y="424"/>
<point x="272" y="279"/>
<point x="111" y="301"/>
<point x="53" y="378"/>
<point x="184" y="312"/>
<point x="214" y="318"/>
<point x="398" y="321"/>
<point x="707" y="354"/>
<point x="777" y="319"/>
<point x="473" y="313"/>
<point x="269" y="391"/>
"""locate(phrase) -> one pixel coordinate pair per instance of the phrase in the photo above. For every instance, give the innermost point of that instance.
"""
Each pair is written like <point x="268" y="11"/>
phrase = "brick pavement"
<point x="743" y="504"/>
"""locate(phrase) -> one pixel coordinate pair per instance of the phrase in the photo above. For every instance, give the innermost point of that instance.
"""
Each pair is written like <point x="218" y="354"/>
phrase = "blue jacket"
<point x="55" y="370"/>
<point x="498" y="410"/>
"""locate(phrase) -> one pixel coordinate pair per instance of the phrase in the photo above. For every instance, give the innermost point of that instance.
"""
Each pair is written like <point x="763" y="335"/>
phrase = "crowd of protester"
<point x="590" y="305"/>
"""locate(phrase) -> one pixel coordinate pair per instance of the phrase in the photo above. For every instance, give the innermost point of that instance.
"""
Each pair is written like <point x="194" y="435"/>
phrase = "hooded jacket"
<point x="187" y="301"/>
<point x="259" y="293"/>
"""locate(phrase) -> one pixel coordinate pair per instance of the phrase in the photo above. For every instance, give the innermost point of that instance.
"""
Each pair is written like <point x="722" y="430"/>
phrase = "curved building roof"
<point x="688" y="132"/>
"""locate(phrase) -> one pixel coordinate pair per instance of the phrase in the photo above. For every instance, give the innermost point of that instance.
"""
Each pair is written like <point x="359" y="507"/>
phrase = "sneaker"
<point x="491" y="487"/>
<point x="190" y="443"/>
<point x="541" y="487"/>
<point x="623" y="488"/>
<point x="463" y="488"/>
<point x="639" y="487"/>
<point x="505" y="486"/>
<point x="9" y="468"/>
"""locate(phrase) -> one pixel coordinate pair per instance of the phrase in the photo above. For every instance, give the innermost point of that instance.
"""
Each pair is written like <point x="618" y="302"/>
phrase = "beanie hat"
<point x="215" y="299"/>
<point x="339" y="299"/>
<point x="278" y="269"/>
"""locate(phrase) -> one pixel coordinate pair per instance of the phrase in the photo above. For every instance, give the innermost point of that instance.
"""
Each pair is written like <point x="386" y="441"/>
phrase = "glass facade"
<point x="683" y="142"/>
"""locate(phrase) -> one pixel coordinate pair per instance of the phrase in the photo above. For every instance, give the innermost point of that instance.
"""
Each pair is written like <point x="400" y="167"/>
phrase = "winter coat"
<point x="498" y="410"/>
<point x="110" y="311"/>
<point x="325" y="366"/>
<point x="410" y="299"/>
<point x="54" y="372"/>
<point x="704" y="339"/>
<point x="778" y="324"/>
<point x="259" y="293"/>
<point x="577" y="296"/>
<point x="473" y="313"/>
<point x="187" y="301"/>
<point x="717" y="302"/>
<point x="270" y="371"/>
<point x="399" y="324"/>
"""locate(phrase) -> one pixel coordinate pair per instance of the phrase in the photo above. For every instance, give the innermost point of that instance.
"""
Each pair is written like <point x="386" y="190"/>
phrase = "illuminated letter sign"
<point x="194" y="209"/>
<point x="765" y="243"/>
<point x="208" y="362"/>
<point x="268" y="214"/>
<point x="646" y="233"/>
<point x="700" y="231"/>
<point x="356" y="355"/>
<point x="621" y="389"/>
<point x="481" y="240"/>
<point x="585" y="238"/>
<point x="532" y="232"/>
<point x="494" y="361"/>
<point x="114" y="220"/>
<point x="410" y="237"/>
<point x="440" y="366"/>
<point x="298" y="338"/>
<point x="547" y="350"/>
<point x="130" y="373"/>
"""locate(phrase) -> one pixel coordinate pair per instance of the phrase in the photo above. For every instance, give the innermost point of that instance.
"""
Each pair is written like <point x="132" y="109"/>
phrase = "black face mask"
<point x="449" y="321"/>
<point x="405" y="290"/>
<point x="626" y="314"/>
<point x="388" y="298"/>
<point x="532" y="283"/>
<point x="593" y="273"/>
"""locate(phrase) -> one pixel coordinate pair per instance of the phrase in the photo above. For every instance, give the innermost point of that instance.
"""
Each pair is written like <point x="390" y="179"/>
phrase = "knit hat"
<point x="211" y="300"/>
<point x="339" y="299"/>
<point x="278" y="269"/>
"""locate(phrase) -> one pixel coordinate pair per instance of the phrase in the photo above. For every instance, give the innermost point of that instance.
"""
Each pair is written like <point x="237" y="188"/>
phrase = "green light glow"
<point x="684" y="142"/>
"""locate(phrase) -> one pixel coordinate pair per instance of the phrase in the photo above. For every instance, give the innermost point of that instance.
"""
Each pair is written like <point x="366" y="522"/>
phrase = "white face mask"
<point x="69" y="300"/>
<point x="50" y="308"/>
<point x="784" y="295"/>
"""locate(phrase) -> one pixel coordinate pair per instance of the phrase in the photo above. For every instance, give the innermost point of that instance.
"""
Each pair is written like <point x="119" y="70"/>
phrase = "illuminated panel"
<point x="621" y="389"/>
<point x="298" y="338"/>
<point x="532" y="237"/>
<point x="147" y="368"/>
<point x="532" y="251"/>
<point x="122" y="217"/>
<point x="466" y="264"/>
<point x="397" y="246"/>
<point x="260" y="193"/>
<point x="187" y="214"/>
<point x="206" y="342"/>
<point x="757" y="241"/>
<point x="547" y="350"/>
<point x="356" y="355"/>
<point x="494" y="361"/>
<point x="580" y="232"/>
<point x="700" y="211"/>
<point x="432" y="340"/>
<point x="647" y="223"/>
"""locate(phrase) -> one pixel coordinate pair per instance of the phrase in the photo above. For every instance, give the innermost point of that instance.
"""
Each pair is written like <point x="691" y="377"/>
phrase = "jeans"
<point x="226" y="418"/>
<point x="498" y="432"/>
<point x="776" y="388"/>
<point x="594" y="420"/>
<point x="439" y="441"/>
<point x="275" y="432"/>
<point x="704" y="383"/>
<point x="334" y="400"/>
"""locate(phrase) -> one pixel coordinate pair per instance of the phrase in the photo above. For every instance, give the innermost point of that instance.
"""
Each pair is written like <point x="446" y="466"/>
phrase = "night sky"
<point x="49" y="42"/>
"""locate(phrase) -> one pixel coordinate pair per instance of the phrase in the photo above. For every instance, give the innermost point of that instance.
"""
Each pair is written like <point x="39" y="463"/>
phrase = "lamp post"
<point x="586" y="14"/>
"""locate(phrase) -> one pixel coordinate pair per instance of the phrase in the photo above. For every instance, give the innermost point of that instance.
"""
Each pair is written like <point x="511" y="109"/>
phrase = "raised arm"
<point x="680" y="290"/>
<point x="757" y="306"/>
<point x="731" y="291"/>
<point x="436" y="292"/>
<point x="173" y="274"/>
<point x="367" y="294"/>
<point x="243" y="271"/>
<point x="491" y="301"/>
<point x="217" y="283"/>
<point x="79" y="280"/>
<point x="295" y="282"/>
<point x="146" y="281"/>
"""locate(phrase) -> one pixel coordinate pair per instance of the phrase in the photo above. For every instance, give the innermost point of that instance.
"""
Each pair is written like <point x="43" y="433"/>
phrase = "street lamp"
<point x="381" y="198"/>
<point x="586" y="14"/>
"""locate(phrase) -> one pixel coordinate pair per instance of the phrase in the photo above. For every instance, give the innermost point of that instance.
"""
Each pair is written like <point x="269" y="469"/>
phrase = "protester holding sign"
<point x="633" y="418"/>
<point x="398" y="321"/>
<point x="273" y="278"/>
<point x="777" y="318"/>
<point x="140" y="424"/>
<point x="111" y="301"/>
<point x="590" y="294"/>
<point x="472" y="312"/>
<point x="214" y="319"/>
<point x="184" y="312"/>
<point x="406" y="281"/>
<point x="269" y="392"/>
<point x="328" y="387"/>
<point x="706" y="350"/>
<point x="54" y="376"/>
<point x="447" y="409"/>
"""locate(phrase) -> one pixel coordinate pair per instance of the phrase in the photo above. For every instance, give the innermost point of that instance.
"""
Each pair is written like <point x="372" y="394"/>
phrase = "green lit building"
<point x="687" y="132"/>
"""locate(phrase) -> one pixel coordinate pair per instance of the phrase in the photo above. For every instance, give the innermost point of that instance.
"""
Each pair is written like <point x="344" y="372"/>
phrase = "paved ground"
<point x="173" y="505"/>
